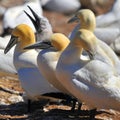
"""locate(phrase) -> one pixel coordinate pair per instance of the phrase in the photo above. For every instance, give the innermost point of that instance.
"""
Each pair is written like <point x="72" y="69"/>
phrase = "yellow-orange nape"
<point x="22" y="35"/>
<point x="85" y="39"/>
<point x="25" y="35"/>
<point x="86" y="18"/>
<point x="59" y="41"/>
<point x="88" y="41"/>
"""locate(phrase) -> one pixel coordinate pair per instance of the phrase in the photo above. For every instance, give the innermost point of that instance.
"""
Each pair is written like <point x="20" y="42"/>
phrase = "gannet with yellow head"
<point x="49" y="56"/>
<point x="94" y="81"/>
<point x="25" y="62"/>
<point x="87" y="21"/>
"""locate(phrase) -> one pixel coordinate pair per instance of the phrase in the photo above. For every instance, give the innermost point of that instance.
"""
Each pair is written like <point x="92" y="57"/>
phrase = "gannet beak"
<point x="36" y="21"/>
<point x="11" y="43"/>
<point x="73" y="19"/>
<point x="91" y="55"/>
<point x="39" y="45"/>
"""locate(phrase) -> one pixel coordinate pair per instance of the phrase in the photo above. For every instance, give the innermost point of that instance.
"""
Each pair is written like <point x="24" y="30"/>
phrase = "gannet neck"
<point x="88" y="41"/>
<point x="87" y="19"/>
<point x="85" y="39"/>
<point x="59" y="41"/>
<point x="25" y="35"/>
<point x="71" y="54"/>
<point x="102" y="56"/>
<point x="77" y="49"/>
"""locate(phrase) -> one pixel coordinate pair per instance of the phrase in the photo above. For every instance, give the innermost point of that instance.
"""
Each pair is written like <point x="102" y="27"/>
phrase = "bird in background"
<point x="109" y="35"/>
<point x="6" y="60"/>
<point x="87" y="21"/>
<point x="15" y="15"/>
<point x="25" y="62"/>
<point x="62" y="6"/>
<point x="41" y="24"/>
<point x="93" y="81"/>
<point x="12" y="17"/>
<point x="108" y="27"/>
<point x="110" y="19"/>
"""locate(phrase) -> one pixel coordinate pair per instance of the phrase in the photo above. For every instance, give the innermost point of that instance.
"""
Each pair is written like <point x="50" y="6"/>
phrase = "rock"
<point x="15" y="99"/>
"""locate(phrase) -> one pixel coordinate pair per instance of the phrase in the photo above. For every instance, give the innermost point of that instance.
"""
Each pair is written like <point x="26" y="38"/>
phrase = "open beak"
<point x="11" y="43"/>
<point x="39" y="45"/>
<point x="73" y="19"/>
<point x="36" y="21"/>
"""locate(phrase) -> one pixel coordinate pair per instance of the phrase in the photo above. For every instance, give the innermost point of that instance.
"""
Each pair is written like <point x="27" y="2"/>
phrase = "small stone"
<point x="15" y="99"/>
<point x="3" y="102"/>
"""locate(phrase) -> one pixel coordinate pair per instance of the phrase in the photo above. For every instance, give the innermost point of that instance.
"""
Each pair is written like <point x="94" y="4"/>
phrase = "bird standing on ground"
<point x="48" y="57"/>
<point x="25" y="62"/>
<point x="52" y="45"/>
<point x="94" y="81"/>
<point x="108" y="27"/>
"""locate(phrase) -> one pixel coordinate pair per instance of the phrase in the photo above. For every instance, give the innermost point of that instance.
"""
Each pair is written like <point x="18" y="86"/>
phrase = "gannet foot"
<point x="92" y="114"/>
<point x="79" y="106"/>
<point x="29" y="106"/>
<point x="74" y="105"/>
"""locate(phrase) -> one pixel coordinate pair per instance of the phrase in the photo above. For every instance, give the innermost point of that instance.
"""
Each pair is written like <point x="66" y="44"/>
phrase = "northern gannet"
<point x="88" y="22"/>
<point x="25" y="62"/>
<point x="109" y="35"/>
<point x="94" y="81"/>
<point x="48" y="57"/>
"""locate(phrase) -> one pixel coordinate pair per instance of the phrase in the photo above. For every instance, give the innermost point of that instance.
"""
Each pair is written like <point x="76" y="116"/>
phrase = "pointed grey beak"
<point x="39" y="45"/>
<point x="36" y="21"/>
<point x="11" y="43"/>
<point x="73" y="19"/>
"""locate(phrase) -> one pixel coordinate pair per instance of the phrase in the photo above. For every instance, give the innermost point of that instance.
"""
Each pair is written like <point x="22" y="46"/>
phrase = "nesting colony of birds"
<point x="78" y="69"/>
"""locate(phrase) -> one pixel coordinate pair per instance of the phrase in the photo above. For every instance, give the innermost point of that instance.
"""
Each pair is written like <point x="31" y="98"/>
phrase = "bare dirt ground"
<point x="12" y="106"/>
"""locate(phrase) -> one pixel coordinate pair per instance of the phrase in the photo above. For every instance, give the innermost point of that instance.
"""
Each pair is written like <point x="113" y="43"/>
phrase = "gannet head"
<point x="87" y="40"/>
<point x="58" y="40"/>
<point x="86" y="18"/>
<point x="41" y="24"/>
<point x="22" y="35"/>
